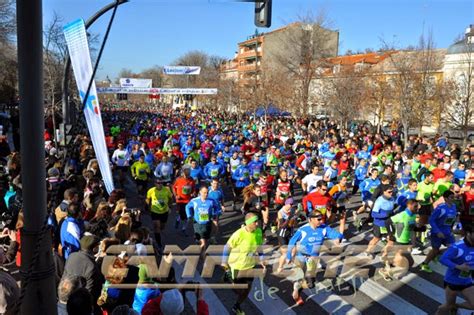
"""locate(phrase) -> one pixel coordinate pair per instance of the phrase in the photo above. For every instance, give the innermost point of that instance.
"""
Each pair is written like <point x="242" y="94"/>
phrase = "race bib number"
<point x="383" y="230"/>
<point x="159" y="203"/>
<point x="273" y="171"/>
<point x="465" y="274"/>
<point x="449" y="221"/>
<point x="371" y="190"/>
<point x="246" y="174"/>
<point x="214" y="172"/>
<point x="204" y="216"/>
<point x="227" y="159"/>
<point x="234" y="167"/>
<point x="142" y="172"/>
<point x="256" y="175"/>
<point x="186" y="190"/>
<point x="321" y="209"/>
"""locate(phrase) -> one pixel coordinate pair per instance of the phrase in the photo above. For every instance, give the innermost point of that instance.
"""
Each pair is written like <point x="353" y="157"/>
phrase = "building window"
<point x="336" y="69"/>
<point x="431" y="86"/>
<point x="358" y="67"/>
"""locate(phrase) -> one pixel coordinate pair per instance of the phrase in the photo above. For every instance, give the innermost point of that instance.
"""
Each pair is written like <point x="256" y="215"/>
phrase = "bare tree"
<point x="276" y="88"/>
<point x="302" y="49"/>
<point x="428" y="62"/>
<point x="154" y="73"/>
<point x="191" y="58"/>
<point x="445" y="95"/>
<point x="8" y="73"/>
<point x="8" y="59"/>
<point x="378" y="93"/>
<point x="345" y="91"/>
<point x="55" y="51"/>
<point x="126" y="73"/>
<point x="7" y="20"/>
<point x="411" y="78"/>
<point x="208" y="78"/>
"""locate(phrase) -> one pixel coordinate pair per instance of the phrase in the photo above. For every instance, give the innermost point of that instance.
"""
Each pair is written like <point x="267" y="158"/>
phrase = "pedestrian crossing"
<point x="326" y="300"/>
<point x="378" y="296"/>
<point x="370" y="296"/>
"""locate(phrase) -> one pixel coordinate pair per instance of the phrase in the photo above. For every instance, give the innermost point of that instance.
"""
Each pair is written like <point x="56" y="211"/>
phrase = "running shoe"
<point x="237" y="310"/>
<point x="426" y="268"/>
<point x="387" y="276"/>
<point x="299" y="301"/>
<point x="416" y="251"/>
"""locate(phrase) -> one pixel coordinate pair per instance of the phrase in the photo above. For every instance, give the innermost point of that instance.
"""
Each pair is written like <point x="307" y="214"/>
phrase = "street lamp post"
<point x="67" y="66"/>
<point x="37" y="268"/>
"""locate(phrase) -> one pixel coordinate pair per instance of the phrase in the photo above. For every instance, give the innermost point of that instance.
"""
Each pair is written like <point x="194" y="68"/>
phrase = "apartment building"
<point x="263" y="51"/>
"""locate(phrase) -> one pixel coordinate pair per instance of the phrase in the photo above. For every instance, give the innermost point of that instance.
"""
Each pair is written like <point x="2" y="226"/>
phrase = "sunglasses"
<point x="319" y="217"/>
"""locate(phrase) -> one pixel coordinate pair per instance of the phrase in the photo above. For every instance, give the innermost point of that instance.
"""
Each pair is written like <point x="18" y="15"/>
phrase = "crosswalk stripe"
<point x="215" y="305"/>
<point x="436" y="267"/>
<point x="429" y="289"/>
<point x="331" y="302"/>
<point x="388" y="299"/>
<point x="268" y="305"/>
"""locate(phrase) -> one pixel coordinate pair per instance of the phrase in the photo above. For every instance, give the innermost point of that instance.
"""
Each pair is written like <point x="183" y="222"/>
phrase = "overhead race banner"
<point x="76" y="39"/>
<point x="194" y="91"/>
<point x="136" y="83"/>
<point x="182" y="70"/>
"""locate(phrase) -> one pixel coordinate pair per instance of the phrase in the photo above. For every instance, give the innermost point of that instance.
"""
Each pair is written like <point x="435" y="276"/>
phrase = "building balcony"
<point x="251" y="42"/>
<point x="247" y="67"/>
<point x="228" y="69"/>
<point x="250" y="54"/>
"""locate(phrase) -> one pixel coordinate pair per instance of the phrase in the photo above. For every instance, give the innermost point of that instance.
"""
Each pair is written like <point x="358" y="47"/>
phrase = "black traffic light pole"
<point x="37" y="267"/>
<point x="263" y="13"/>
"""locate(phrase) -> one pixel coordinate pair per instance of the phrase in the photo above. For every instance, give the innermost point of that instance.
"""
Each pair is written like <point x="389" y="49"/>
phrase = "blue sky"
<point x="156" y="32"/>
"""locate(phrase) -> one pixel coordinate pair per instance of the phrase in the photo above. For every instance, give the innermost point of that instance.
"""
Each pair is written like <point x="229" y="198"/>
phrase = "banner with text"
<point x="135" y="83"/>
<point x="182" y="70"/>
<point x="76" y="39"/>
<point x="194" y="91"/>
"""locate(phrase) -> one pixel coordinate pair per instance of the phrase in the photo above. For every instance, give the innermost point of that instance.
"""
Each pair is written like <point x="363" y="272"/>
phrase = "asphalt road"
<point x="415" y="293"/>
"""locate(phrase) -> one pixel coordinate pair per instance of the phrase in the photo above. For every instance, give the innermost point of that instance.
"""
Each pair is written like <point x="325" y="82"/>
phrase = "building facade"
<point x="264" y="51"/>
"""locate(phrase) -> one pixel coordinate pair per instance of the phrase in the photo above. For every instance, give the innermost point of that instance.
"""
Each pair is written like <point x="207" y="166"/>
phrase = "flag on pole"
<point x="76" y="39"/>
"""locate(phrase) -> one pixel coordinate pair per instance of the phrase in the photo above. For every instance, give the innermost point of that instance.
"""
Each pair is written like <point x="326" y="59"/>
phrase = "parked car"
<point x="458" y="133"/>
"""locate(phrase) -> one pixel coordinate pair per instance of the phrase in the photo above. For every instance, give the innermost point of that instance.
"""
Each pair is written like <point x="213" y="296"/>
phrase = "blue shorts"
<point x="436" y="242"/>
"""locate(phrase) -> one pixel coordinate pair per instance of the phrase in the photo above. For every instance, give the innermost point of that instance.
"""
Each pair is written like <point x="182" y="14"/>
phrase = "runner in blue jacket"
<point x="459" y="259"/>
<point x="309" y="239"/>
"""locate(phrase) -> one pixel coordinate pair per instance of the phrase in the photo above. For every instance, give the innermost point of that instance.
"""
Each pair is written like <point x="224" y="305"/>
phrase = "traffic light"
<point x="263" y="13"/>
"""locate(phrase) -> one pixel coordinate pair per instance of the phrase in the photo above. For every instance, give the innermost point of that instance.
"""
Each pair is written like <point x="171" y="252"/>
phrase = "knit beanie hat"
<point x="172" y="302"/>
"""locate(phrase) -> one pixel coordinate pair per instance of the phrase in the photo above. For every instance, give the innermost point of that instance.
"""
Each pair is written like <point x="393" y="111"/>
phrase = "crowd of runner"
<point x="291" y="181"/>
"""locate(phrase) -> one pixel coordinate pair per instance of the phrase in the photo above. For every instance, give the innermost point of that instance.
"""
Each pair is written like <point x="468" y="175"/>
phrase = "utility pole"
<point x="37" y="268"/>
